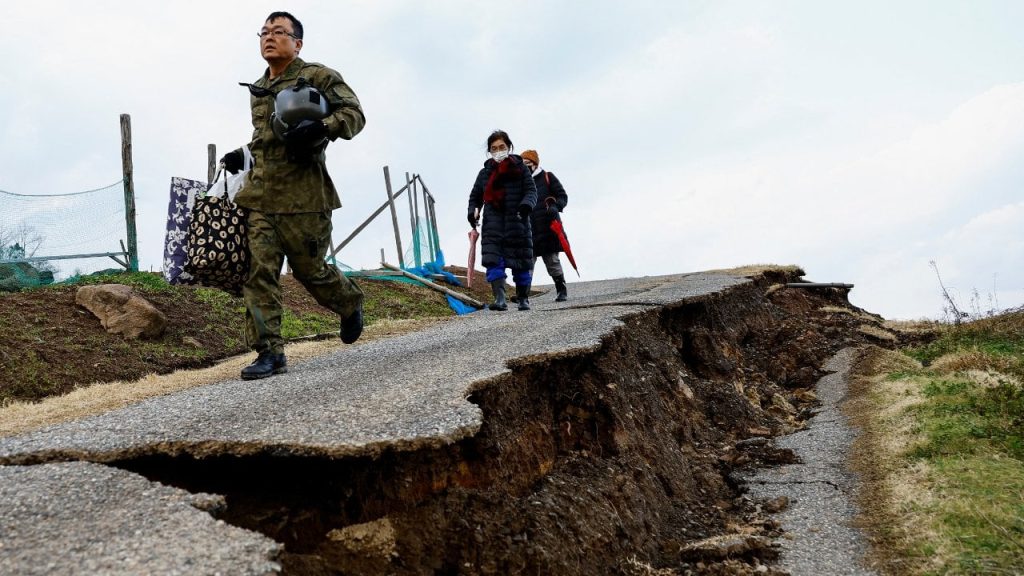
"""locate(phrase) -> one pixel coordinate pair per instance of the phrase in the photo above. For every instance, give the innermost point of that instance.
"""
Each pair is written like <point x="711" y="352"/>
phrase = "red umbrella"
<point x="473" y="236"/>
<point x="556" y="227"/>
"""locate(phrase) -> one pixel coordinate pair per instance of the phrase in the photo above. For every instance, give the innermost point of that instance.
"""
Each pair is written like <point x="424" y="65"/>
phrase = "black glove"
<point x="472" y="217"/>
<point x="306" y="133"/>
<point x="552" y="206"/>
<point x="233" y="161"/>
<point x="524" y="211"/>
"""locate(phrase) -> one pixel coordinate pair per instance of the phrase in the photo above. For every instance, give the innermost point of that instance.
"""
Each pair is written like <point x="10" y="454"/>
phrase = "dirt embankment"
<point x="617" y="461"/>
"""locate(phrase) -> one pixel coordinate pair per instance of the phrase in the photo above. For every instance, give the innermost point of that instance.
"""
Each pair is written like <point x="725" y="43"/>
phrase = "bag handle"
<point x="210" y="190"/>
<point x="247" y="164"/>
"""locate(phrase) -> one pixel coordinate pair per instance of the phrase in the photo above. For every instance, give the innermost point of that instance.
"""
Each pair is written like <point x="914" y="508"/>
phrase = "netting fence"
<point x="47" y="238"/>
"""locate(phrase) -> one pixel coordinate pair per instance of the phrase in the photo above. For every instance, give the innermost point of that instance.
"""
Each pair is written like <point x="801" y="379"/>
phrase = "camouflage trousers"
<point x="304" y="239"/>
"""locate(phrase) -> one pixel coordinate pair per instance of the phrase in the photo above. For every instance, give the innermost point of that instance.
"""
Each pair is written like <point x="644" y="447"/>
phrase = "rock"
<point x="122" y="311"/>
<point x="374" y="539"/>
<point x="755" y="442"/>
<point x="190" y="341"/>
<point x="780" y="402"/>
<point x="724" y="546"/>
<point x="776" y="504"/>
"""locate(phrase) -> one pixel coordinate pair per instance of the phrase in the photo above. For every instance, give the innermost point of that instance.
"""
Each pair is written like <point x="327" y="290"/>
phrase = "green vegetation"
<point x="295" y="325"/>
<point x="963" y="444"/>
<point x="142" y="281"/>
<point x="50" y="346"/>
<point x="999" y="340"/>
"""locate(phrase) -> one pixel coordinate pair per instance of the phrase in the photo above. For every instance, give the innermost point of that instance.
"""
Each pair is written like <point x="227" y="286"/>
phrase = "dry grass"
<point x="876" y="332"/>
<point x="890" y="486"/>
<point x="752" y="270"/>
<point x="858" y="314"/>
<point x="20" y="417"/>
<point x="1009" y="323"/>
<point x="971" y="361"/>
<point x="635" y="567"/>
<point x="934" y="497"/>
<point x="913" y="326"/>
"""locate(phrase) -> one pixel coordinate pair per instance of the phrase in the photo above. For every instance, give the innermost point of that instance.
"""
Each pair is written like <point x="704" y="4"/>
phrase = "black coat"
<point x="544" y="239"/>
<point x="502" y="233"/>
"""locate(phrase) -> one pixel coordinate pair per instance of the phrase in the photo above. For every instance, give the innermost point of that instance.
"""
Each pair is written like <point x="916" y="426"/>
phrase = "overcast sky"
<point x="859" y="140"/>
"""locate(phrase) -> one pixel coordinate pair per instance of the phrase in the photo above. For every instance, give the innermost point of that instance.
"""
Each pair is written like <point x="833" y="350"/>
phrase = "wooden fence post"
<point x="412" y="221"/>
<point x="127" y="172"/>
<point x="433" y="218"/>
<point x="211" y="162"/>
<point x="394" y="217"/>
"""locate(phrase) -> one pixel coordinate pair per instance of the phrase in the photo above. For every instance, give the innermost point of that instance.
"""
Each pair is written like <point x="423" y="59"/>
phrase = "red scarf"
<point x="494" y="191"/>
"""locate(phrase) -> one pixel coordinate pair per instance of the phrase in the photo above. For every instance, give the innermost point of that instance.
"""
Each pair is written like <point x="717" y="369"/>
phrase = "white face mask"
<point x="499" y="156"/>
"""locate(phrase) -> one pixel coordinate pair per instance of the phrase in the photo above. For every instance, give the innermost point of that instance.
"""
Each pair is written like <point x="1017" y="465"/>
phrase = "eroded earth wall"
<point x="593" y="462"/>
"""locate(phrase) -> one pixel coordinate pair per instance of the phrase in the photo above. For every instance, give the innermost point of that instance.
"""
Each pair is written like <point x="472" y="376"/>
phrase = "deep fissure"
<point x="581" y="461"/>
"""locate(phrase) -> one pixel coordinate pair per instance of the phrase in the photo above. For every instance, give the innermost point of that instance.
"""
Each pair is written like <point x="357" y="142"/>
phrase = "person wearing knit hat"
<point x="551" y="200"/>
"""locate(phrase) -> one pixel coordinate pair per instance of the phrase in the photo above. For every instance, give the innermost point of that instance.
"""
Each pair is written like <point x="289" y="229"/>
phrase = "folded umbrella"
<point x="473" y="236"/>
<point x="556" y="227"/>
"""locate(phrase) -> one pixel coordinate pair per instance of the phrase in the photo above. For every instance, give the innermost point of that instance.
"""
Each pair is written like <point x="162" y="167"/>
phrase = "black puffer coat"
<point x="546" y="211"/>
<point x="502" y="233"/>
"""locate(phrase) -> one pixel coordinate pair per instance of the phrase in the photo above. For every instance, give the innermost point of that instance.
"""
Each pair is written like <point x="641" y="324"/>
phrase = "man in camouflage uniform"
<point x="290" y="196"/>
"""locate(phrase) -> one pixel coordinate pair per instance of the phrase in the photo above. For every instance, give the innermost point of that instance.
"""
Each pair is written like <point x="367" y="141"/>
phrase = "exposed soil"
<point x="618" y="461"/>
<point x="50" y="346"/>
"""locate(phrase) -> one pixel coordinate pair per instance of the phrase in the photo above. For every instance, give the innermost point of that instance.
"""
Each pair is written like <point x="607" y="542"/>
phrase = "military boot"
<point x="563" y="292"/>
<point x="498" y="287"/>
<point x="266" y="364"/>
<point x="352" y="326"/>
<point x="523" y="294"/>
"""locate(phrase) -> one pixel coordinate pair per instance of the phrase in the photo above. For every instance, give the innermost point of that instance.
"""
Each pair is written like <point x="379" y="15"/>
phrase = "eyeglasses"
<point x="276" y="33"/>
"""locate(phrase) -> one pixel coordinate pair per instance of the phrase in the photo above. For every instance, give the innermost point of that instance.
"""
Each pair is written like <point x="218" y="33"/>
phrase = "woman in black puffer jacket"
<point x="505" y="191"/>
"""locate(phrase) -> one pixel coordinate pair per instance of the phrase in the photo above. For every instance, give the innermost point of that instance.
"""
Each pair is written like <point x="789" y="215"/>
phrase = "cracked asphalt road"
<point x="402" y="393"/>
<point x="820" y="537"/>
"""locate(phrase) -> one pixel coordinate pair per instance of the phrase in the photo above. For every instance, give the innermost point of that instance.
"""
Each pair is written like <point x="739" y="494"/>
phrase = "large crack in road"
<point x="569" y="440"/>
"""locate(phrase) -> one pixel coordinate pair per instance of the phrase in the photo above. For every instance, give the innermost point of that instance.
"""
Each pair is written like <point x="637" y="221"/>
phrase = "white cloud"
<point x="689" y="136"/>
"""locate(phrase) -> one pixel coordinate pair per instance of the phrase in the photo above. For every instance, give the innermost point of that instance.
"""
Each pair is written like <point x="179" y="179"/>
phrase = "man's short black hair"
<point x="296" y="25"/>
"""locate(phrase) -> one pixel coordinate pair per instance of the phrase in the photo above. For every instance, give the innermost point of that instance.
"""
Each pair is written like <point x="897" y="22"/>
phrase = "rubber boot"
<point x="498" y="287"/>
<point x="523" y="294"/>
<point x="563" y="292"/>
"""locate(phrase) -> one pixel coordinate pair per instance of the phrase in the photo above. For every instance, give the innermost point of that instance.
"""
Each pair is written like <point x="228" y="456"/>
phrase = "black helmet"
<point x="295" y="105"/>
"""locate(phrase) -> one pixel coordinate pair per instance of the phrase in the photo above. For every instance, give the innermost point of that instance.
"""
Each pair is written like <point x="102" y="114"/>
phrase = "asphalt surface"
<point x="82" y="518"/>
<point x="401" y="393"/>
<point x="820" y="536"/>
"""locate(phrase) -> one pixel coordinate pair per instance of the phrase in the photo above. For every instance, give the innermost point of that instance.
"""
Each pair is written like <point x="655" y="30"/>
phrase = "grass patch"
<point x="999" y="338"/>
<point x="309" y="324"/>
<point x="141" y="281"/>
<point x="942" y="451"/>
<point x="50" y="346"/>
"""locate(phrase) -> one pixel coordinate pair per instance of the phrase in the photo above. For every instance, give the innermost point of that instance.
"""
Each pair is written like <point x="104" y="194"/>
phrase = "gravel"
<point x="820" y="536"/>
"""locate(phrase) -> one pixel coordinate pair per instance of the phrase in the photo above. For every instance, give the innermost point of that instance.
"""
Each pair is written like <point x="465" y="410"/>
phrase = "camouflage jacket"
<point x="277" y="186"/>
